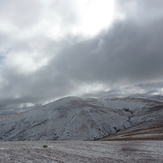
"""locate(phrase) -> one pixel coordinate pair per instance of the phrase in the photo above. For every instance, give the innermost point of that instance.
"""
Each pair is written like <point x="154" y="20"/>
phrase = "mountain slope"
<point x="75" y="118"/>
<point x="152" y="133"/>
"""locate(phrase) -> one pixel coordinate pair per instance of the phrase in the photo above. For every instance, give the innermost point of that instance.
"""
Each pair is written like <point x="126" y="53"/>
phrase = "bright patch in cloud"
<point x="87" y="88"/>
<point x="25" y="62"/>
<point x="86" y="17"/>
<point x="95" y="16"/>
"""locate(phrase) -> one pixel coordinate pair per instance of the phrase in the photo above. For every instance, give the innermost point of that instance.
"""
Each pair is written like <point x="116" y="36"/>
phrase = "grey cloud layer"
<point x="21" y="13"/>
<point x="129" y="53"/>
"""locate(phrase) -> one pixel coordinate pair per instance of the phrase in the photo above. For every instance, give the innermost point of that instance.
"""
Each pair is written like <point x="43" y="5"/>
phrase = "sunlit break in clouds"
<point x="94" y="16"/>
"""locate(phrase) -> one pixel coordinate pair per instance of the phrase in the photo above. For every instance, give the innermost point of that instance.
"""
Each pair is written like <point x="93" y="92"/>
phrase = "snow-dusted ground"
<point x="82" y="151"/>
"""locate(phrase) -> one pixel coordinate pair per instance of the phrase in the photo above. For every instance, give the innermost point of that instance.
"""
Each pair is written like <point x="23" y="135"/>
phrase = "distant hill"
<point x="74" y="118"/>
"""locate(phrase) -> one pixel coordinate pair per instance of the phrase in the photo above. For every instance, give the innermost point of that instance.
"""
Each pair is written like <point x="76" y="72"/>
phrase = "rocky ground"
<point x="81" y="151"/>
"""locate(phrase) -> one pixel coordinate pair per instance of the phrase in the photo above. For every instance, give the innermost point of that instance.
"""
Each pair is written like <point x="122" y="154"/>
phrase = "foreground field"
<point x="81" y="151"/>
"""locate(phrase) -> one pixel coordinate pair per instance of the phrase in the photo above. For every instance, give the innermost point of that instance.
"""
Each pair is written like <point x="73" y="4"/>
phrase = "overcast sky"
<point x="55" y="48"/>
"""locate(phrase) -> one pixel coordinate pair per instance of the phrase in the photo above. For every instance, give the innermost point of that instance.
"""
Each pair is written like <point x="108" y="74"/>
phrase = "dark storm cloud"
<point x="129" y="53"/>
<point x="142" y="11"/>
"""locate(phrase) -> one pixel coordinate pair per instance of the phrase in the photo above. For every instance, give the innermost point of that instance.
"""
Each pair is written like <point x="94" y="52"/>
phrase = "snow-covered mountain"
<point x="75" y="118"/>
<point x="147" y="96"/>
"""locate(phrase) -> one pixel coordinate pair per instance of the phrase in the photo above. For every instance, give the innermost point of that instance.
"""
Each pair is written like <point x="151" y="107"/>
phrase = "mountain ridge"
<point x="74" y="118"/>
